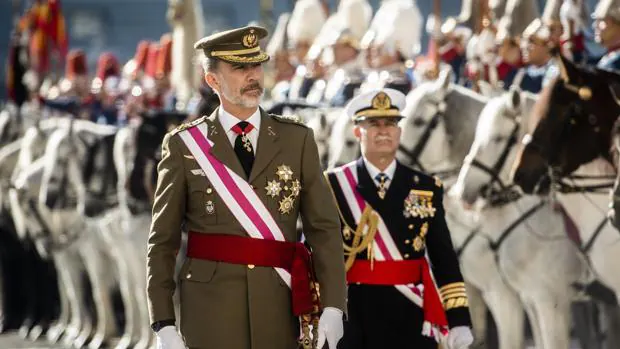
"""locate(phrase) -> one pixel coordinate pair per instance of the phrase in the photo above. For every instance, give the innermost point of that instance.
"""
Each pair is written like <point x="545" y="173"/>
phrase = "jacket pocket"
<point x="203" y="201"/>
<point x="198" y="270"/>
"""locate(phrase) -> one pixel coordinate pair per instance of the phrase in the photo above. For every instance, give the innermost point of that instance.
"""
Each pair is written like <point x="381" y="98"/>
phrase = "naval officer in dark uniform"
<point x="392" y="216"/>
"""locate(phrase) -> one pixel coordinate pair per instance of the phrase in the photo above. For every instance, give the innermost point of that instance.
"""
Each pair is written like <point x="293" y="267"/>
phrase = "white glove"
<point x="460" y="337"/>
<point x="169" y="338"/>
<point x="330" y="327"/>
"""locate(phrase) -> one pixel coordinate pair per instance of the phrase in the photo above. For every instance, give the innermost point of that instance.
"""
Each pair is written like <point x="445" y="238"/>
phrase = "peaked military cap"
<point x="238" y="46"/>
<point x="376" y="104"/>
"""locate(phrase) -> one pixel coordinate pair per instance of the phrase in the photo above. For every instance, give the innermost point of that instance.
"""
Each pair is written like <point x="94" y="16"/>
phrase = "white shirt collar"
<point x="228" y="120"/>
<point x="374" y="171"/>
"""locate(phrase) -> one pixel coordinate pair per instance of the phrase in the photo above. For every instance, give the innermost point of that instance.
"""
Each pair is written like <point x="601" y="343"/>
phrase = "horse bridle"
<point x="418" y="148"/>
<point x="496" y="192"/>
<point x="550" y="157"/>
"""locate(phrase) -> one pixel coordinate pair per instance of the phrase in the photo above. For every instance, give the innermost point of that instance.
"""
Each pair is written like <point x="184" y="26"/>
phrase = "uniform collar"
<point x="228" y="120"/>
<point x="373" y="171"/>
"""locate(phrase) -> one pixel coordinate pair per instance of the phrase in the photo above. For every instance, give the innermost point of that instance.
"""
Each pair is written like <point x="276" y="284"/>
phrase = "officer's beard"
<point x="247" y="97"/>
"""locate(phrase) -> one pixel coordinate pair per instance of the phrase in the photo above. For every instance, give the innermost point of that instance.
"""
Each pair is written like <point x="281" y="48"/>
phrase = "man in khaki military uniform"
<point x="232" y="289"/>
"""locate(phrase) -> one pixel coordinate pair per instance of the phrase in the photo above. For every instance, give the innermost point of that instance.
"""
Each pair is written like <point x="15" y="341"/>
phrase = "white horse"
<point x="126" y="231"/>
<point x="76" y="244"/>
<point x="186" y="18"/>
<point x="322" y="123"/>
<point x="439" y="125"/>
<point x="534" y="253"/>
<point x="439" y="128"/>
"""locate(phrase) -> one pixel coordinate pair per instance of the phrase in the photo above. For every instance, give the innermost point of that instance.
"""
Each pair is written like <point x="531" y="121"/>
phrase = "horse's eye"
<point x="498" y="139"/>
<point x="349" y="143"/>
<point x="419" y="122"/>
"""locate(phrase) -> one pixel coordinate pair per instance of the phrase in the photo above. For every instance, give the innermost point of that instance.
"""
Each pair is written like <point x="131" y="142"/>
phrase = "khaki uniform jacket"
<point x="227" y="306"/>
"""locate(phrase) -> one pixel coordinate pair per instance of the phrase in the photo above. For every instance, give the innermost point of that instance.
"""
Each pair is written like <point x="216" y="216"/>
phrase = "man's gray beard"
<point x="246" y="102"/>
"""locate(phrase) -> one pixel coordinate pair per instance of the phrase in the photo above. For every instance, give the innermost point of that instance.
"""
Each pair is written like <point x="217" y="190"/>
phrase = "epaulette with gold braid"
<point x="290" y="119"/>
<point x="186" y="125"/>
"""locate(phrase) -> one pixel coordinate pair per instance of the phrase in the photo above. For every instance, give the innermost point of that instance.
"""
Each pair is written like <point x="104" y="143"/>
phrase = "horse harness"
<point x="416" y="151"/>
<point x="497" y="193"/>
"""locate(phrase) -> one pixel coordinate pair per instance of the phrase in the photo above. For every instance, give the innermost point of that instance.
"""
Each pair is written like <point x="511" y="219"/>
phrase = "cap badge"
<point x="250" y="39"/>
<point x="381" y="101"/>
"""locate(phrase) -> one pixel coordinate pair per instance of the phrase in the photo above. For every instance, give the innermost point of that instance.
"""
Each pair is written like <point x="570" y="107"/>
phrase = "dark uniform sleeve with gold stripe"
<point x="445" y="266"/>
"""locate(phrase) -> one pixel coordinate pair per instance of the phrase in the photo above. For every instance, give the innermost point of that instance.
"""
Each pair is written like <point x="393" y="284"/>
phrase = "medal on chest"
<point x="285" y="187"/>
<point x="419" y="204"/>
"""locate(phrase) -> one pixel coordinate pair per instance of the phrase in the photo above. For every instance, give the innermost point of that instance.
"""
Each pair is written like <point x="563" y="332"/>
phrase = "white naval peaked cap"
<point x="278" y="39"/>
<point x="607" y="8"/>
<point x="401" y="29"/>
<point x="355" y="16"/>
<point x="306" y="21"/>
<point x="376" y="104"/>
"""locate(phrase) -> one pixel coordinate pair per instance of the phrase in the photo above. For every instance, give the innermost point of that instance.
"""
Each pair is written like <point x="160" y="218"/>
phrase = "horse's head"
<point x="486" y="167"/>
<point x="423" y="127"/>
<point x="572" y="122"/>
<point x="149" y="136"/>
<point x="62" y="195"/>
<point x="321" y="124"/>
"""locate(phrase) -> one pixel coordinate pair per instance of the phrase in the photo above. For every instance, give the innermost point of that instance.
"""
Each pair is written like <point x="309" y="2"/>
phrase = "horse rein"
<point x="414" y="153"/>
<point x="496" y="191"/>
<point x="555" y="173"/>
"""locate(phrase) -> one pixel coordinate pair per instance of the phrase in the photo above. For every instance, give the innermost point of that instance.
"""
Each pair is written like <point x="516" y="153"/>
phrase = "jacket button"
<point x="209" y="190"/>
<point x="406" y="255"/>
<point x="410" y="227"/>
<point x="189" y="275"/>
<point x="251" y="266"/>
<point x="407" y="241"/>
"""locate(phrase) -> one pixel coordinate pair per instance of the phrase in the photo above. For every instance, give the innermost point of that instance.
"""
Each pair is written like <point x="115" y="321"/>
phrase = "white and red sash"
<point x="384" y="248"/>
<point x="236" y="192"/>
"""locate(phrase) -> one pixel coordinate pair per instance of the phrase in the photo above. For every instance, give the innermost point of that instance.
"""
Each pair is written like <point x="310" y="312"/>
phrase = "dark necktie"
<point x="382" y="179"/>
<point x="243" y="146"/>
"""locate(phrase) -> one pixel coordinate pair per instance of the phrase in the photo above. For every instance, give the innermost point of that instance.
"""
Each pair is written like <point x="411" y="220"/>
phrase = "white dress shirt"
<point x="228" y="121"/>
<point x="373" y="171"/>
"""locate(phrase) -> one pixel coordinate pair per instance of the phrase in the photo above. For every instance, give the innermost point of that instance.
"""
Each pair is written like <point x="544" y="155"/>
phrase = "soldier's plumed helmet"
<point x="376" y="104"/>
<point x="236" y="46"/>
<point x="76" y="64"/>
<point x="537" y="31"/>
<point x="607" y="8"/>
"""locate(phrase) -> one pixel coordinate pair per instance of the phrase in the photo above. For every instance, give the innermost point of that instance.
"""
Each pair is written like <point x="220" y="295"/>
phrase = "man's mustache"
<point x="255" y="86"/>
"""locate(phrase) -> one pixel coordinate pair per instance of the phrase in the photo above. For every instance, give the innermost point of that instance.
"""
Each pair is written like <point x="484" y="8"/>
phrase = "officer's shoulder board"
<point x="427" y="181"/>
<point x="289" y="119"/>
<point x="186" y="125"/>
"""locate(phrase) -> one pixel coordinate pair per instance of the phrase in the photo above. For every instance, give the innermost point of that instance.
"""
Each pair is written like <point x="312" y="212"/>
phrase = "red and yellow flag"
<point x="46" y="23"/>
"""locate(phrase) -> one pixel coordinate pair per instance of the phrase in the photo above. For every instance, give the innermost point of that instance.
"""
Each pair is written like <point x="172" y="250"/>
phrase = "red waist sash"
<point x="291" y="256"/>
<point x="387" y="273"/>
<point x="390" y="273"/>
